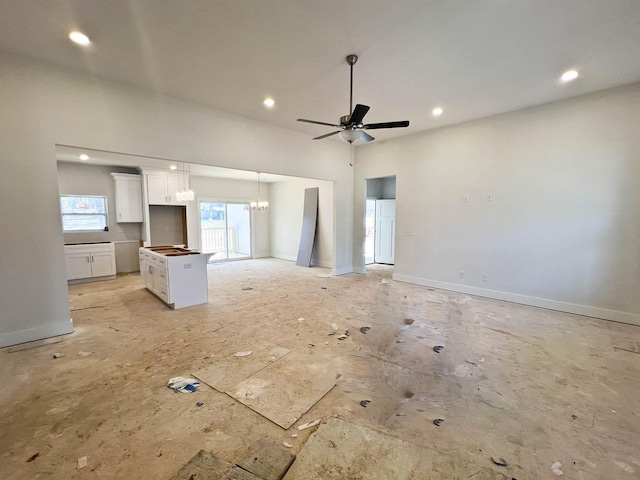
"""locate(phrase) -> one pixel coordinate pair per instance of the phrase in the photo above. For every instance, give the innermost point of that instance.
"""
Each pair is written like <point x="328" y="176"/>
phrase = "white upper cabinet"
<point x="128" y="197"/>
<point x="162" y="188"/>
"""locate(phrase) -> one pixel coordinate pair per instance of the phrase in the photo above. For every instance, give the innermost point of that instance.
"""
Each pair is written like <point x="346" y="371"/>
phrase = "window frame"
<point x="105" y="214"/>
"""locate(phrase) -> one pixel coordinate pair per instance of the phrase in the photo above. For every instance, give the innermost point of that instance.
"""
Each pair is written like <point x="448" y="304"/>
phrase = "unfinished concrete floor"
<point x="529" y="385"/>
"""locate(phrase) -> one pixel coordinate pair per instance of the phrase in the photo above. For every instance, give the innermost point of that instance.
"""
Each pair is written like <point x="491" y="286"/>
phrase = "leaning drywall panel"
<point x="285" y="219"/>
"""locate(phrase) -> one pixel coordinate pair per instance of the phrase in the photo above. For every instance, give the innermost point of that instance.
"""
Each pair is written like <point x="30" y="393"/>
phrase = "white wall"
<point x="562" y="230"/>
<point x="229" y="190"/>
<point x="285" y="212"/>
<point x="41" y="106"/>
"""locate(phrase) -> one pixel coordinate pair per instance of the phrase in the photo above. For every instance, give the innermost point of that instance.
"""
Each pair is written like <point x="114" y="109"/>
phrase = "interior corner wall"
<point x="538" y="206"/>
<point x="285" y="218"/>
<point x="41" y="106"/>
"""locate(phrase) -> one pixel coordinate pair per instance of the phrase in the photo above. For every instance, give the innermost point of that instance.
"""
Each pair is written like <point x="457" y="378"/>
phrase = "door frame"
<point x="366" y="197"/>
<point x="226" y="226"/>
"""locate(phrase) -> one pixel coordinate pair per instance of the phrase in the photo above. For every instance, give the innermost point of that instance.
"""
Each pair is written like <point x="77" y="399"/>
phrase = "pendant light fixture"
<point x="259" y="205"/>
<point x="187" y="194"/>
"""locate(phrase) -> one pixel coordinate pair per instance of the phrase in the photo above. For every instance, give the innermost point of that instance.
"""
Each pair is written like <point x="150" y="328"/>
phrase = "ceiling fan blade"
<point x="327" y="135"/>
<point x="373" y="126"/>
<point x="366" y="137"/>
<point x="358" y="114"/>
<point x="319" y="123"/>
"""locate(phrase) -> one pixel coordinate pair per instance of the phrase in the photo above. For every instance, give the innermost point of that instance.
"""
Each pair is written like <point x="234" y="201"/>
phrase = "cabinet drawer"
<point x="162" y="278"/>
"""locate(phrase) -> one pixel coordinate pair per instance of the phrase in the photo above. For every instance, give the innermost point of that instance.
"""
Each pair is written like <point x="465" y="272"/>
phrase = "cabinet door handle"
<point x="88" y="261"/>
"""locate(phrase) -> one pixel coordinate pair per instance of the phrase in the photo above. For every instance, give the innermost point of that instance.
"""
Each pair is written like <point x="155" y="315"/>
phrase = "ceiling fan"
<point x="351" y="127"/>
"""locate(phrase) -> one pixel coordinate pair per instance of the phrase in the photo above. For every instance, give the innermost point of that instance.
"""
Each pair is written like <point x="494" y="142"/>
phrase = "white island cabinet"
<point x="176" y="275"/>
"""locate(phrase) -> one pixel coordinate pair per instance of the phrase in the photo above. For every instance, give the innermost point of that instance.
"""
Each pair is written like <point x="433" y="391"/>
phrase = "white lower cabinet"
<point x="180" y="281"/>
<point x="90" y="261"/>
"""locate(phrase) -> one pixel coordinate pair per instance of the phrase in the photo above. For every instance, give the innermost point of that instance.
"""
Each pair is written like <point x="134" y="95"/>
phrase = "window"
<point x="81" y="213"/>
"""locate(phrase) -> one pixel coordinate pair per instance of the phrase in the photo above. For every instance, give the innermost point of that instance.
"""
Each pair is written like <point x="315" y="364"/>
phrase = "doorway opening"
<point x="380" y="218"/>
<point x="225" y="230"/>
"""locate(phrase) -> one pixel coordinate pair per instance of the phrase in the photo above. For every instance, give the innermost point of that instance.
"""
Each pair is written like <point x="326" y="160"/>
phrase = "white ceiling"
<point x="474" y="58"/>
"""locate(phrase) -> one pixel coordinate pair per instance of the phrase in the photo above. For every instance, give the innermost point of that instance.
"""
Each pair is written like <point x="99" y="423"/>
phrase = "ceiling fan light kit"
<point x="351" y="127"/>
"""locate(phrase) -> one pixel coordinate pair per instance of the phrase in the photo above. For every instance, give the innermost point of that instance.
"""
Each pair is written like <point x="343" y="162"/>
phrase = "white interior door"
<point x="385" y="231"/>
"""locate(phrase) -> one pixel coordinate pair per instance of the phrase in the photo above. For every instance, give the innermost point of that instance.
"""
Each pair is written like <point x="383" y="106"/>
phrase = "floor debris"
<point x="364" y="403"/>
<point x="304" y="426"/>
<point x="342" y="337"/>
<point x="242" y="354"/>
<point x="365" y="329"/>
<point x="438" y="348"/>
<point x="84" y="354"/>
<point x="438" y="421"/>
<point x="300" y="320"/>
<point x="247" y="288"/>
<point x="383" y="281"/>
<point x="183" y="385"/>
<point x="82" y="462"/>
<point x="334" y="327"/>
<point x="557" y="469"/>
<point x="311" y="345"/>
<point x="199" y="404"/>
<point x="58" y="355"/>
<point x="33" y="457"/>
<point x="409" y="321"/>
<point x="501" y="462"/>
<point x="287" y="444"/>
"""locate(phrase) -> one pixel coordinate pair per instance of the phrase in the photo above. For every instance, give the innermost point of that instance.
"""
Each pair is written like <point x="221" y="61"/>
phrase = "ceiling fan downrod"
<point x="351" y="60"/>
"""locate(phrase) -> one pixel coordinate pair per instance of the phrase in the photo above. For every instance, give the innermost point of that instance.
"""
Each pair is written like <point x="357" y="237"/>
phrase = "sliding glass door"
<point x="225" y="230"/>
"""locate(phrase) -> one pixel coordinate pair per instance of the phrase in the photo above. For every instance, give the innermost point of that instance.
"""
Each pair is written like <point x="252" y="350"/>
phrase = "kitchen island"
<point x="176" y="275"/>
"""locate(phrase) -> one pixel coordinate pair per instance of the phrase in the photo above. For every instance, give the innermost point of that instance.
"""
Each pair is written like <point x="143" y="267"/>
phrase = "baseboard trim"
<point x="293" y="259"/>
<point x="585" y="310"/>
<point x="91" y="279"/>
<point x="38" y="333"/>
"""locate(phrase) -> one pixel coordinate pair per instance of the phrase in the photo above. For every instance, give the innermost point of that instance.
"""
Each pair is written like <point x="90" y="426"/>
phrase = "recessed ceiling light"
<point x="79" y="38"/>
<point x="436" y="112"/>
<point x="269" y="102"/>
<point x="84" y="157"/>
<point x="173" y="167"/>
<point x="569" y="75"/>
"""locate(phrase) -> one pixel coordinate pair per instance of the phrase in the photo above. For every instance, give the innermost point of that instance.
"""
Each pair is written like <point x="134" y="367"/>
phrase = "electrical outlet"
<point x="489" y="198"/>
<point x="485" y="277"/>
<point x="465" y="198"/>
<point x="461" y="274"/>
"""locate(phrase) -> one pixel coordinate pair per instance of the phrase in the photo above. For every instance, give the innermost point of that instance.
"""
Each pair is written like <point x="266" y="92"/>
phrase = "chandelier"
<point x="259" y="205"/>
